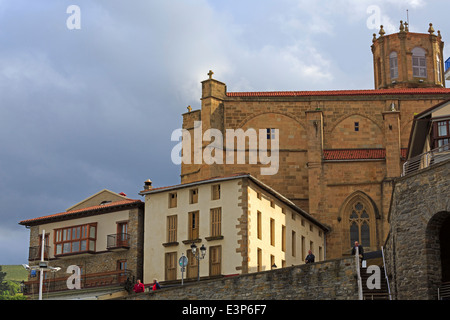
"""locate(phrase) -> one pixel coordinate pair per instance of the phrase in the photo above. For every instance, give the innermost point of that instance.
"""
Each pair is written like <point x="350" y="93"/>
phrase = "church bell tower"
<point x="408" y="60"/>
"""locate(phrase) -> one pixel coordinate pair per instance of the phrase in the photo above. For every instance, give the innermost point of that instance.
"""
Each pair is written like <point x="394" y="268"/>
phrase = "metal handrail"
<point x="444" y="291"/>
<point x="385" y="274"/>
<point x="426" y="159"/>
<point x="358" y="273"/>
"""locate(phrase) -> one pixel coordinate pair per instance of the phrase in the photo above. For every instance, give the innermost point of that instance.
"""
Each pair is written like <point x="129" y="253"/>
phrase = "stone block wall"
<point x="327" y="280"/>
<point x="420" y="203"/>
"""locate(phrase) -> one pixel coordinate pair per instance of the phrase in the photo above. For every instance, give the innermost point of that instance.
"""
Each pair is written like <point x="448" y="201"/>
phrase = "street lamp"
<point x="43" y="265"/>
<point x="198" y="255"/>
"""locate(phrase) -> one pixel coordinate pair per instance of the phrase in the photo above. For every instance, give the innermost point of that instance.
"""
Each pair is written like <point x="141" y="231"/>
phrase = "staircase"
<point x="374" y="294"/>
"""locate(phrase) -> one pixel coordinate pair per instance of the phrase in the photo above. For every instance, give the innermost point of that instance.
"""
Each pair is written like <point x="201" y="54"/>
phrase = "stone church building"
<point x="339" y="151"/>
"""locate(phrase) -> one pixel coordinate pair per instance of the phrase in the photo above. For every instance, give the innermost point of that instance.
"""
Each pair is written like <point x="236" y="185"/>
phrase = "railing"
<point x="385" y="274"/>
<point x="358" y="273"/>
<point x="118" y="240"/>
<point x="426" y="159"/>
<point x="444" y="291"/>
<point x="34" y="253"/>
<point x="93" y="280"/>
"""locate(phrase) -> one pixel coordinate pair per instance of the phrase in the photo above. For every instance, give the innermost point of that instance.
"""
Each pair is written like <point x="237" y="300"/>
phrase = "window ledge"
<point x="170" y="244"/>
<point x="214" y="238"/>
<point x="192" y="240"/>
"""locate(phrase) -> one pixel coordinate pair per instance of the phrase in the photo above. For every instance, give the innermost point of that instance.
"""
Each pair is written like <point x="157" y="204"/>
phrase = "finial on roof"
<point x="189" y="108"/>
<point x="431" y="29"/>
<point x="406" y="26"/>
<point x="210" y="73"/>
<point x="402" y="27"/>
<point x="382" y="33"/>
<point x="374" y="37"/>
<point x="439" y="35"/>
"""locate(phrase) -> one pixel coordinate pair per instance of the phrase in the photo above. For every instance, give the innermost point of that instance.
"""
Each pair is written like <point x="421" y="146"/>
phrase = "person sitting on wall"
<point x="310" y="257"/>
<point x="156" y="285"/>
<point x="139" y="287"/>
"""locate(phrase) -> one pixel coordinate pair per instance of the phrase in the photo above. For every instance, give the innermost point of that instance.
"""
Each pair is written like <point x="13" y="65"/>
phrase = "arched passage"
<point x="437" y="245"/>
<point x="444" y="239"/>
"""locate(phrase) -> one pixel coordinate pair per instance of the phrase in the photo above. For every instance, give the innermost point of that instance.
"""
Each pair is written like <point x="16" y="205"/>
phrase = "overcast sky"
<point x="87" y="109"/>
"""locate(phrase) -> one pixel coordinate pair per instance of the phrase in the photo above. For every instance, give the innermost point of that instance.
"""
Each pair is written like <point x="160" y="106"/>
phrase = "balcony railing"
<point x="93" y="280"/>
<point x="34" y="253"/>
<point x="426" y="159"/>
<point x="118" y="241"/>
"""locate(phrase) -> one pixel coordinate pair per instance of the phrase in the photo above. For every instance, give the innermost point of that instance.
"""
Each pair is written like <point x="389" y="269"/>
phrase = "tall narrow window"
<point x="193" y="228"/>
<point x="122" y="234"/>
<point x="171" y="229"/>
<point x="283" y="238"/>
<point x="215" y="260"/>
<point x="294" y="244"/>
<point x="419" y="63"/>
<point x="259" y="260"/>
<point x="272" y="232"/>
<point x="122" y="266"/>
<point x="441" y="136"/>
<point x="359" y="225"/>
<point x="215" y="192"/>
<point x="438" y="68"/>
<point x="216" y="222"/>
<point x="393" y="65"/>
<point x="259" y="225"/>
<point x="192" y="267"/>
<point x="172" y="200"/>
<point x="193" y="196"/>
<point x="171" y="266"/>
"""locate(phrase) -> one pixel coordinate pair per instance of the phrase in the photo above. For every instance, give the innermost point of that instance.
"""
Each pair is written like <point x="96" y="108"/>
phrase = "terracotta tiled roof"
<point x="181" y="185"/>
<point x="354" y="154"/>
<point x="89" y="210"/>
<point x="341" y="92"/>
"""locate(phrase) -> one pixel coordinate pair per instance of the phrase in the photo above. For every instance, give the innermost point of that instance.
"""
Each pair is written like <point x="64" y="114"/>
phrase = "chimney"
<point x="148" y="185"/>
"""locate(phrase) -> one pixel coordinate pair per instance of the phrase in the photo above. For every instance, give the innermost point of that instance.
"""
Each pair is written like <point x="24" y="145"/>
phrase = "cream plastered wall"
<point x="155" y="230"/>
<point x="106" y="225"/>
<point x="292" y="221"/>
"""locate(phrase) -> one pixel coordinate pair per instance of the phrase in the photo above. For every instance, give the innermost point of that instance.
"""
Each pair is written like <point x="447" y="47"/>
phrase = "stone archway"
<point x="437" y="248"/>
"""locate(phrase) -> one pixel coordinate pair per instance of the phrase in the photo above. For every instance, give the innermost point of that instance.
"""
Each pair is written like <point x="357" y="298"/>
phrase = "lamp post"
<point x="198" y="255"/>
<point x="43" y="265"/>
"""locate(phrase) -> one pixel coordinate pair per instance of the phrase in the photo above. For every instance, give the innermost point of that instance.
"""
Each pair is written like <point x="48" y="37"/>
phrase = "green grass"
<point x="15" y="272"/>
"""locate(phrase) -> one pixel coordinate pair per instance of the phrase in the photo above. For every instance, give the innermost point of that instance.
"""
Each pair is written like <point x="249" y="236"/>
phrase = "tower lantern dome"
<point x="407" y="59"/>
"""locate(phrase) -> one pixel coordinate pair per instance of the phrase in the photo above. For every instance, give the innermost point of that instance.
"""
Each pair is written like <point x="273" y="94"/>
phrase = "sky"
<point x="91" y="90"/>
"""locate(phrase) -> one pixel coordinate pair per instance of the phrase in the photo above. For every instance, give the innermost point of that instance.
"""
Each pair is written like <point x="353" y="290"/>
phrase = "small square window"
<point x="270" y="133"/>
<point x="356" y="126"/>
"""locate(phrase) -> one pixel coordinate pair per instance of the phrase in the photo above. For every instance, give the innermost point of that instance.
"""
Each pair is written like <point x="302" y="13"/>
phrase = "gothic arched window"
<point x="359" y="222"/>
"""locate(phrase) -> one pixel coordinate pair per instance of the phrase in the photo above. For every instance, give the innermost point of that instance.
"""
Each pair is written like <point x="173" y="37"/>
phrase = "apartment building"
<point x="100" y="236"/>
<point x="235" y="224"/>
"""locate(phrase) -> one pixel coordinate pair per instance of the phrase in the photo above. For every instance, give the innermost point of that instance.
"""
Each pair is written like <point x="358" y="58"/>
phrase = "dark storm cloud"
<point x="83" y="110"/>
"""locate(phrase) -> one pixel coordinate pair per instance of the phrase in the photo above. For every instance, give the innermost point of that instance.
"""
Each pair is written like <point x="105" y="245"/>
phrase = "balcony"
<point x="426" y="159"/>
<point x="87" y="281"/>
<point x="118" y="242"/>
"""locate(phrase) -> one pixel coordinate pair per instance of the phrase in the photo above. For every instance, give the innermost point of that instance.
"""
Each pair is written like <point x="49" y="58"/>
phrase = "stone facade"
<point x="327" y="280"/>
<point x="103" y="261"/>
<point x="420" y="206"/>
<point x="335" y="147"/>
